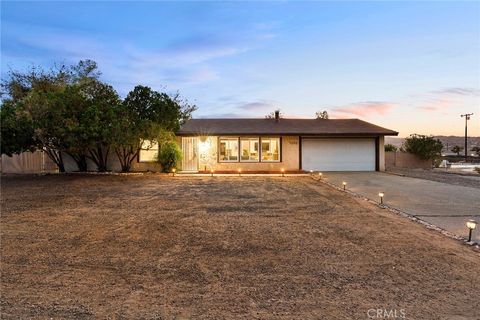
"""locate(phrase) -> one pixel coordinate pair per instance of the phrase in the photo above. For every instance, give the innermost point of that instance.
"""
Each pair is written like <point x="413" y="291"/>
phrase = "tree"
<point x="271" y="115"/>
<point x="457" y="150"/>
<point x="145" y="115"/>
<point x="321" y="115"/>
<point x="426" y="147"/>
<point x="476" y="150"/>
<point x="390" y="148"/>
<point x="43" y="99"/>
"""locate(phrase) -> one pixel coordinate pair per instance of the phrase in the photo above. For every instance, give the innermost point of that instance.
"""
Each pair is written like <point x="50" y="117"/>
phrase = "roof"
<point x="304" y="127"/>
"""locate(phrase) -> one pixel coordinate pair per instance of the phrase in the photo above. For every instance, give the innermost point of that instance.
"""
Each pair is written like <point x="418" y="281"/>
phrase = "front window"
<point x="148" y="151"/>
<point x="249" y="149"/>
<point x="228" y="150"/>
<point x="271" y="149"/>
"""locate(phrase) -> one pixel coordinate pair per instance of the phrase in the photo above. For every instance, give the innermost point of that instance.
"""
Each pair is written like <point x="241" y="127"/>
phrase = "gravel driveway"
<point x="445" y="205"/>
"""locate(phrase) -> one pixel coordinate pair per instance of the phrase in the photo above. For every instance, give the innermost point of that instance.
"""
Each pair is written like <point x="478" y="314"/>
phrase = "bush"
<point x="390" y="148"/>
<point x="169" y="156"/>
<point x="426" y="147"/>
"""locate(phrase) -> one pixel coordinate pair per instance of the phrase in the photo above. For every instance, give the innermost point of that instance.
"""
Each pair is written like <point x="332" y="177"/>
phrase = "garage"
<point x="338" y="154"/>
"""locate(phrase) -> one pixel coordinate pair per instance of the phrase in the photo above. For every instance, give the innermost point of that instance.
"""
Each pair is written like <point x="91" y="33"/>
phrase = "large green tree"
<point x="145" y="115"/>
<point x="42" y="101"/>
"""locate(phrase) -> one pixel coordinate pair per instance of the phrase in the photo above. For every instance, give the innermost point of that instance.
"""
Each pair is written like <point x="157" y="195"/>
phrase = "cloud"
<point x="458" y="91"/>
<point x="447" y="98"/>
<point x="261" y="105"/>
<point x="364" y="109"/>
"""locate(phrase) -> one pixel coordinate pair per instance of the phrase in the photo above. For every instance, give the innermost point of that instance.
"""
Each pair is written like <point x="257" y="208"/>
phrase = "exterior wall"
<point x="208" y="157"/>
<point x="405" y="160"/>
<point x="381" y="153"/>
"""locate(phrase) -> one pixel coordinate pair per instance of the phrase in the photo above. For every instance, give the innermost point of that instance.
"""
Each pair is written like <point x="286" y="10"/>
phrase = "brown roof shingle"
<point x="304" y="127"/>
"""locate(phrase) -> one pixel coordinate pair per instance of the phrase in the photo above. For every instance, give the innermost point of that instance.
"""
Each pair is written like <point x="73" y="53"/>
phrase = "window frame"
<point x="279" y="139"/>
<point x="257" y="139"/>
<point x="238" y="149"/>
<point x="139" y="157"/>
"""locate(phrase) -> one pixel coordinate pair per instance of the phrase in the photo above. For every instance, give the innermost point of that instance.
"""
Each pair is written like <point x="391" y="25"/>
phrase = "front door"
<point x="189" y="149"/>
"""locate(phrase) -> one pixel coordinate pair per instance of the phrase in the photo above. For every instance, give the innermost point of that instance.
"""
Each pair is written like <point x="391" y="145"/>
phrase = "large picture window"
<point x="228" y="150"/>
<point x="270" y="149"/>
<point x="249" y="151"/>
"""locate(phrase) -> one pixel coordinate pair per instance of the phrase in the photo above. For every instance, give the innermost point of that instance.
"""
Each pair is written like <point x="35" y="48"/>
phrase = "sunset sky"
<point x="409" y="66"/>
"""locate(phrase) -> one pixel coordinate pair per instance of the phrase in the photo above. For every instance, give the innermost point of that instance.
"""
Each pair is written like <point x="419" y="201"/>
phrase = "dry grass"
<point x="269" y="247"/>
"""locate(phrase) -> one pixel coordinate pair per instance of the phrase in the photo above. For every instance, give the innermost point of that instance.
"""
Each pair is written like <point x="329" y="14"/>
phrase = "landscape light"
<point x="320" y="175"/>
<point x="311" y="171"/>
<point x="173" y="171"/>
<point x="211" y="171"/>
<point x="381" y="195"/>
<point x="283" y="172"/>
<point x="471" y="224"/>
<point x="344" y="184"/>
<point x="239" y="172"/>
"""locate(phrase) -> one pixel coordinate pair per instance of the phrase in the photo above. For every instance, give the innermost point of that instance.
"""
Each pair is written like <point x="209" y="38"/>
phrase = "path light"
<point x="211" y="171"/>
<point x="283" y="172"/>
<point x="320" y="175"/>
<point x="239" y="172"/>
<point x="381" y="195"/>
<point x="471" y="224"/>
<point x="311" y="171"/>
<point x="344" y="184"/>
<point x="173" y="171"/>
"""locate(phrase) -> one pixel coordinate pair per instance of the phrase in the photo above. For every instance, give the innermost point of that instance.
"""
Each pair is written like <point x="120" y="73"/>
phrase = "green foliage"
<point x="16" y="130"/>
<point x="67" y="109"/>
<point x="457" y="150"/>
<point x="390" y="148"/>
<point x="321" y="115"/>
<point x="169" y="155"/>
<point x="426" y="147"/>
<point x="144" y="115"/>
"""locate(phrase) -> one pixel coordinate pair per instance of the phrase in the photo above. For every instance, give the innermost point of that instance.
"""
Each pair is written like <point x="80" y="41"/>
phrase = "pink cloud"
<point x="366" y="108"/>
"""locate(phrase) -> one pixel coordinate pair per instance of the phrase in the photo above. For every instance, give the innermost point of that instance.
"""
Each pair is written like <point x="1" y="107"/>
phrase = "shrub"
<point x="426" y="147"/>
<point x="390" y="147"/>
<point x="477" y="169"/>
<point x="169" y="155"/>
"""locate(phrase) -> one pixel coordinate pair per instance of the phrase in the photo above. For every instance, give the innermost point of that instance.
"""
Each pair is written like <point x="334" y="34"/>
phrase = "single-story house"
<point x="276" y="144"/>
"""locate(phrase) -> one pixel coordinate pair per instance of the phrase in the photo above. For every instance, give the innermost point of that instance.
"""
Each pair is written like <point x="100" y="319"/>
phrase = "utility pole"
<point x="467" y="117"/>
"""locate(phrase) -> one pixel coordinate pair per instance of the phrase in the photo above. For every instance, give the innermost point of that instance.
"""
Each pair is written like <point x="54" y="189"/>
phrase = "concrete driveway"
<point x="444" y="205"/>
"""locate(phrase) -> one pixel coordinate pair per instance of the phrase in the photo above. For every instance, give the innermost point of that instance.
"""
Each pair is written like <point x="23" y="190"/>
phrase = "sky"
<point x="409" y="66"/>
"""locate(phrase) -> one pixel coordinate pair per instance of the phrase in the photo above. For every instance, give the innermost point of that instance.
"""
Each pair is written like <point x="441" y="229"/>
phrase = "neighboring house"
<point x="289" y="144"/>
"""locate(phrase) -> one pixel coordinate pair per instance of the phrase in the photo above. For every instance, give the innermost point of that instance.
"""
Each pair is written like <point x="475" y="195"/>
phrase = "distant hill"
<point x="449" y="141"/>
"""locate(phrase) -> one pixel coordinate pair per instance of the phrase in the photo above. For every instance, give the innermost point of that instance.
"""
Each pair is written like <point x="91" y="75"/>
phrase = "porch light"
<point x="239" y="172"/>
<point x="344" y="183"/>
<point x="471" y="224"/>
<point x="211" y="171"/>
<point x="381" y="195"/>
<point x="283" y="172"/>
<point x="173" y="171"/>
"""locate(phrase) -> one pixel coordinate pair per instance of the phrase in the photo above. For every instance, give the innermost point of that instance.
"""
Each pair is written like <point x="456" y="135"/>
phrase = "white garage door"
<point x="340" y="154"/>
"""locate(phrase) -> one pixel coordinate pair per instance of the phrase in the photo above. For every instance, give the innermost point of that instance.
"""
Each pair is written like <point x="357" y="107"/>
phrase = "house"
<point x="288" y="144"/>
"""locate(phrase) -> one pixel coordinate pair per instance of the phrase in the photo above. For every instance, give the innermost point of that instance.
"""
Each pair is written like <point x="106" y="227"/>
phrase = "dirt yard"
<point x="212" y="248"/>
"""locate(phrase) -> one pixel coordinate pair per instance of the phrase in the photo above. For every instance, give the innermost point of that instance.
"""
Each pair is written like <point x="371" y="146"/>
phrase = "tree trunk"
<point x="126" y="156"/>
<point x="100" y="157"/>
<point x="80" y="159"/>
<point x="56" y="157"/>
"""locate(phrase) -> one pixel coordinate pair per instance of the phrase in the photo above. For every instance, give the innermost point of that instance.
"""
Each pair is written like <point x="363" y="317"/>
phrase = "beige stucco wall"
<point x="208" y="157"/>
<point x="381" y="153"/>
